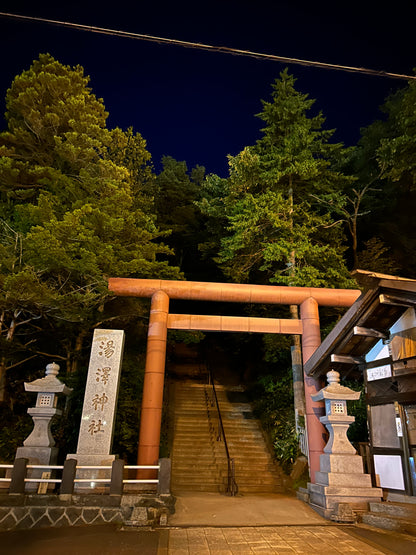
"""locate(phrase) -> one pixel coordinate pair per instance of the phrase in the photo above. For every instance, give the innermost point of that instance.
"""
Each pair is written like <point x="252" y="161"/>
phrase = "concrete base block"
<point x="328" y="497"/>
<point x="345" y="464"/>
<point x="303" y="495"/>
<point x="343" y="479"/>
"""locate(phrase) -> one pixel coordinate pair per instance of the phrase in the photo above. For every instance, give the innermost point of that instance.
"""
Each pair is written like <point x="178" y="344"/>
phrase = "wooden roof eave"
<point x="377" y="309"/>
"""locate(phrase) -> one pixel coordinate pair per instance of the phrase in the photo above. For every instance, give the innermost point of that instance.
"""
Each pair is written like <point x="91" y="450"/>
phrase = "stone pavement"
<point x="216" y="525"/>
<point x="210" y="523"/>
<point x="286" y="540"/>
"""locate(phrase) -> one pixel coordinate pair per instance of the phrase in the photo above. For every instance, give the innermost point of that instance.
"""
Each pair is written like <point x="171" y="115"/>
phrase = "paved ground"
<point x="212" y="509"/>
<point x="288" y="540"/>
<point x="217" y="525"/>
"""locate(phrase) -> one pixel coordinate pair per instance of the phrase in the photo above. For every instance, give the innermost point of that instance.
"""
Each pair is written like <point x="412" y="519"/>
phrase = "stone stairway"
<point x="400" y="517"/>
<point x="198" y="460"/>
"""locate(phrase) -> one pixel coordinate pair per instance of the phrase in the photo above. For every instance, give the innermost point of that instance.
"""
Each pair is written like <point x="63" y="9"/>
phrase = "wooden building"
<point x="376" y="340"/>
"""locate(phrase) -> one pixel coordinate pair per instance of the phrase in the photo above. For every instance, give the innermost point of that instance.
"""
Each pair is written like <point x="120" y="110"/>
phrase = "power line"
<point x="212" y="48"/>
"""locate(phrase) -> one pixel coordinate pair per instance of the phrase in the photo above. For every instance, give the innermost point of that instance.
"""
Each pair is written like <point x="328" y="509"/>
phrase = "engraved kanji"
<point x="103" y="374"/>
<point x="106" y="348"/>
<point x="95" y="427"/>
<point x="99" y="401"/>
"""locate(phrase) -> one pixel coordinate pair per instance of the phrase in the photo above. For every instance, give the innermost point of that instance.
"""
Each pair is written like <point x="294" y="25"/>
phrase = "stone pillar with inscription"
<point x="99" y="409"/>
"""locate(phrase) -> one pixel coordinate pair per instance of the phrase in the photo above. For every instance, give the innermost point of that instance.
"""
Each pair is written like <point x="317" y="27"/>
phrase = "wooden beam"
<point x="234" y="324"/>
<point x="369" y="332"/>
<point x="378" y="362"/>
<point x="397" y="301"/>
<point x="347" y="359"/>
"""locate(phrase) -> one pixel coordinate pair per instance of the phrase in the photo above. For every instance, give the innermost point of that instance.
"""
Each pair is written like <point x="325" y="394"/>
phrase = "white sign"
<point x="399" y="427"/>
<point x="378" y="373"/>
<point x="389" y="471"/>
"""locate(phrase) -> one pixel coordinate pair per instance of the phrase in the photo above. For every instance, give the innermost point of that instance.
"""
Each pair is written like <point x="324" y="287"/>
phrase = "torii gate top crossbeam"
<point x="232" y="292"/>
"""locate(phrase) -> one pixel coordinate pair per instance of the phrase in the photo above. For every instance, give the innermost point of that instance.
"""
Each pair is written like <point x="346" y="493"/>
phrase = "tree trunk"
<point x="75" y="356"/>
<point x="3" y="370"/>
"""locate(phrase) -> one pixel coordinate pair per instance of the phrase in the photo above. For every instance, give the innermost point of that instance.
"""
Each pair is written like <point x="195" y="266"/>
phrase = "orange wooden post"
<point x="152" y="402"/>
<point x="311" y="339"/>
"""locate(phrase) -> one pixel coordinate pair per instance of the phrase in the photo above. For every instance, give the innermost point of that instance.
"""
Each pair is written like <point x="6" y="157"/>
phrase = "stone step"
<point x="403" y="510"/>
<point x="203" y="462"/>
<point x="199" y="488"/>
<point x="260" y="489"/>
<point x="390" y="522"/>
<point x="243" y="450"/>
<point x="198" y="461"/>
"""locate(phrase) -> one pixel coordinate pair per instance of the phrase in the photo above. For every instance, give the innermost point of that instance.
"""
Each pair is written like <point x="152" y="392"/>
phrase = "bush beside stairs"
<point x="199" y="461"/>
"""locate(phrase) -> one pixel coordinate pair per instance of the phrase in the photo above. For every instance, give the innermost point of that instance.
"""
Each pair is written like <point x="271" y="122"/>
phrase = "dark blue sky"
<point x="199" y="106"/>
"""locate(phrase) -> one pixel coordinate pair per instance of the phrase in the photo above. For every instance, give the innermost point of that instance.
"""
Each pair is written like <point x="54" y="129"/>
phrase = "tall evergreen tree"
<point x="277" y="232"/>
<point x="177" y="189"/>
<point x="387" y="153"/>
<point x="75" y="208"/>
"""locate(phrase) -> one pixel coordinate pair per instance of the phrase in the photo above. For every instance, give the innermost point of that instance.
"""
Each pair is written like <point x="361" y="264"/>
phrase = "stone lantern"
<point x="336" y="419"/>
<point x="341" y="480"/>
<point x="39" y="447"/>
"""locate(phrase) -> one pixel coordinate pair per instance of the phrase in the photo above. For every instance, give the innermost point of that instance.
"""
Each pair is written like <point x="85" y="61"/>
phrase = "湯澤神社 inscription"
<point x="98" y="413"/>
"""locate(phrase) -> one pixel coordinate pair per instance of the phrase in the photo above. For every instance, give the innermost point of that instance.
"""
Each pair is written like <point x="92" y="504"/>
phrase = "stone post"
<point x="17" y="482"/>
<point x="99" y="409"/>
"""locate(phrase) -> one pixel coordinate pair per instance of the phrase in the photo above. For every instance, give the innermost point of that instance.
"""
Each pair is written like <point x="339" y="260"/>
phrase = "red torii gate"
<point x="160" y="291"/>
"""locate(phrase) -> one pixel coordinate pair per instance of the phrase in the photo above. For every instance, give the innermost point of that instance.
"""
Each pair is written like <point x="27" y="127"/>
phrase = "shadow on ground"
<point x="91" y="540"/>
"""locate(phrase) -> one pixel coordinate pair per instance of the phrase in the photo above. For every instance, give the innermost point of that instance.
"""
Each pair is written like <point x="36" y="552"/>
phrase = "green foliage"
<point x="15" y="429"/>
<point x="126" y="431"/>
<point x="286" y="445"/>
<point x="270" y="227"/>
<point x="186" y="337"/>
<point x="175" y="205"/>
<point x="376" y="257"/>
<point x="273" y="404"/>
<point x="387" y="159"/>
<point x="358" y="431"/>
<point x="396" y="154"/>
<point x="76" y="205"/>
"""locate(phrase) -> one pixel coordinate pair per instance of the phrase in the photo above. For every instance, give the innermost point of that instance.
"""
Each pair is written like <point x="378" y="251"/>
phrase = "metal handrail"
<point x="232" y="487"/>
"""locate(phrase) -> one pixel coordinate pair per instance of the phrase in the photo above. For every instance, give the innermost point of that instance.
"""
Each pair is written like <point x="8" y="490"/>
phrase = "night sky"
<point x="199" y="106"/>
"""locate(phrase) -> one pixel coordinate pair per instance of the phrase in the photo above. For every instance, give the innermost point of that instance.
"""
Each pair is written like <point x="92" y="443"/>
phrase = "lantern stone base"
<point x="341" y="480"/>
<point x="37" y="455"/>
<point x="92" y="474"/>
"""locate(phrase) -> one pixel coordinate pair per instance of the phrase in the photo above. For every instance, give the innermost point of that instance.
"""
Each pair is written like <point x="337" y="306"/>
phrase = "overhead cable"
<point x="212" y="48"/>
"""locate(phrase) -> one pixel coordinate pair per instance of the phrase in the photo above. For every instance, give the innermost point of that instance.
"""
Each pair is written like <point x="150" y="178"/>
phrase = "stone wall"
<point x="20" y="511"/>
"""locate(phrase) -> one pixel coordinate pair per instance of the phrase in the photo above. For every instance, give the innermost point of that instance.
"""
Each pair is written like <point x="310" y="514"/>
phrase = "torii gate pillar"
<point x="152" y="401"/>
<point x="311" y="339"/>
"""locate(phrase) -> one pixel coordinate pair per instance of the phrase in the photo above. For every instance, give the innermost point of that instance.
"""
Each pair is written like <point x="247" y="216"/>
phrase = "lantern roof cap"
<point x="50" y="383"/>
<point x="335" y="391"/>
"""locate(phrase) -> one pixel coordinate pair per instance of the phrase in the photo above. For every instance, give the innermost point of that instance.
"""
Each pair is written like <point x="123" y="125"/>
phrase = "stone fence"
<point x="20" y="509"/>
